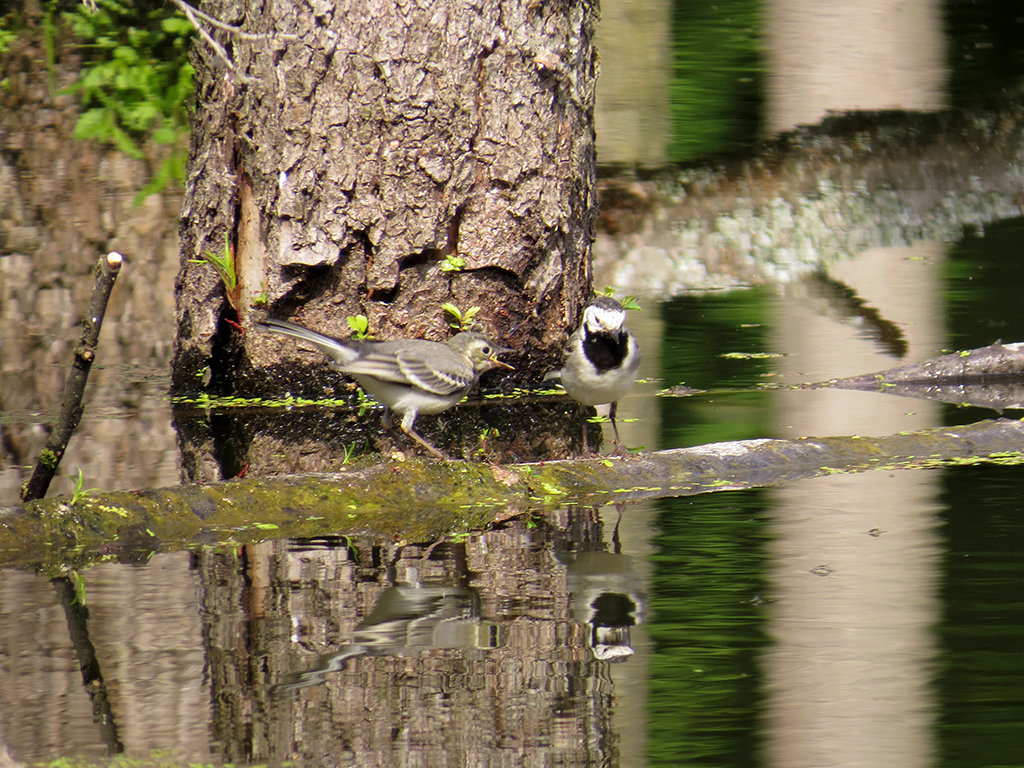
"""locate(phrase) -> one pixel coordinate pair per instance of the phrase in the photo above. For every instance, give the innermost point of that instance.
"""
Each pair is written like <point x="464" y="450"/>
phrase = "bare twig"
<point x="193" y="14"/>
<point x="71" y="409"/>
<point x="199" y="20"/>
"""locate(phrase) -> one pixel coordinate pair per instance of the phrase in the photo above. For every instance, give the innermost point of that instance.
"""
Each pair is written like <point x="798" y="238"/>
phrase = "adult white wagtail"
<point x="602" y="358"/>
<point x="408" y="376"/>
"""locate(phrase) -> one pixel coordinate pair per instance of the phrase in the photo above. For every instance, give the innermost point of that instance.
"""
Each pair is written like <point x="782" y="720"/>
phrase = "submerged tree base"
<point x="423" y="500"/>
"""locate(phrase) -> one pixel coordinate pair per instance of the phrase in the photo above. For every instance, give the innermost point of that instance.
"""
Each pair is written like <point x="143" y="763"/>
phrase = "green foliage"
<point x="360" y="327"/>
<point x="79" y="491"/>
<point x="627" y="302"/>
<point x="79" y="584"/>
<point x="631" y="303"/>
<point x="350" y="547"/>
<point x="453" y="263"/>
<point x="135" y="81"/>
<point x="487" y="433"/>
<point x="461" y="321"/>
<point x="224" y="264"/>
<point x="7" y="36"/>
<point x="363" y="403"/>
<point x="49" y="459"/>
<point x="348" y="452"/>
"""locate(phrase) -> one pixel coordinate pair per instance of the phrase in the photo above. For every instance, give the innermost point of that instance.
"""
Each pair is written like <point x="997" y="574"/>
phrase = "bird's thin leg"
<point x="407" y="421"/>
<point x="429" y="446"/>
<point x="586" y="422"/>
<point x="615" y="427"/>
<point x="620" y="449"/>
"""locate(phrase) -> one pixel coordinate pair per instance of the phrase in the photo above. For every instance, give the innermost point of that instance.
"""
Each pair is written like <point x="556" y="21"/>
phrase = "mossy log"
<point x="422" y="500"/>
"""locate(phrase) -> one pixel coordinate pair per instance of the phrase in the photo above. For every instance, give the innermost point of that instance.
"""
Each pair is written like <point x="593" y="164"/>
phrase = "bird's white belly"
<point x="590" y="388"/>
<point x="401" y="398"/>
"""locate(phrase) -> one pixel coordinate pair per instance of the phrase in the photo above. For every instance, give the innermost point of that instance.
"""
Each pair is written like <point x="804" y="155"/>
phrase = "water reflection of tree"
<point x="529" y="684"/>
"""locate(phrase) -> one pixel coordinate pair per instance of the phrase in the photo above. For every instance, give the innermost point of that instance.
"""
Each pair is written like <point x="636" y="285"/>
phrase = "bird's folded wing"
<point x="445" y="374"/>
<point x="412" y="368"/>
<point x="378" y="365"/>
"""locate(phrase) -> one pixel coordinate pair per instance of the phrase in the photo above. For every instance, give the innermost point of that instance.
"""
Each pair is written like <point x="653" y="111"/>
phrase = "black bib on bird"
<point x="605" y="351"/>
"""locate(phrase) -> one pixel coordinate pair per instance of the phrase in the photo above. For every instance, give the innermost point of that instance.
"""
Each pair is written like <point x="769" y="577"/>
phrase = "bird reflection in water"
<point x="607" y="594"/>
<point x="408" y="619"/>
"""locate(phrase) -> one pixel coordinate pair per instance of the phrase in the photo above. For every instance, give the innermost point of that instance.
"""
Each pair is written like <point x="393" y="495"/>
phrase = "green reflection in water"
<point x="715" y="92"/>
<point x="981" y="291"/>
<point x="708" y="568"/>
<point x="707" y="344"/>
<point x="718" y="69"/>
<point x="981" y="676"/>
<point x="707" y="584"/>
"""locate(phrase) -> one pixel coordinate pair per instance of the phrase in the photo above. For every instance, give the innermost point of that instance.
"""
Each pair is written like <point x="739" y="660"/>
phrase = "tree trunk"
<point x="346" y="150"/>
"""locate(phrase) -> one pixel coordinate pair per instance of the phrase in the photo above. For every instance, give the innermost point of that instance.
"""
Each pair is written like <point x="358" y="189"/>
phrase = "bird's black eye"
<point x="487" y="351"/>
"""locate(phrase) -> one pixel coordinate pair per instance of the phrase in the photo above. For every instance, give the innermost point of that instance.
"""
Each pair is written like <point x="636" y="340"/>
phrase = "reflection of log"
<point x="988" y="377"/>
<point x="420" y="499"/>
<point x="853" y="182"/>
<point x="831" y="298"/>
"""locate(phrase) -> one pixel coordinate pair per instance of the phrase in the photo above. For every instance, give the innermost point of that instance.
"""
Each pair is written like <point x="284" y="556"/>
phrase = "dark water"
<point x="860" y="621"/>
<point x="980" y="674"/>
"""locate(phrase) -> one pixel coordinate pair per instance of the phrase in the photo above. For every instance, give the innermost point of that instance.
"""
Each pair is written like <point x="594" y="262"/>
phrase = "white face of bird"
<point x="604" y="317"/>
<point x="482" y="353"/>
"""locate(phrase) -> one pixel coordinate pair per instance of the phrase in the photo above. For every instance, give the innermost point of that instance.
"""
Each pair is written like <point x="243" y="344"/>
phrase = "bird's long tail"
<point x="339" y="350"/>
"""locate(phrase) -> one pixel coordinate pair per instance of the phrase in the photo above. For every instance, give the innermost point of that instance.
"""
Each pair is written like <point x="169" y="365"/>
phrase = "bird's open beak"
<point x="499" y="363"/>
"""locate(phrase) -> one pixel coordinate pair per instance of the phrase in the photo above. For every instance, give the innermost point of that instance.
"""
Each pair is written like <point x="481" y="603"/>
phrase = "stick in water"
<point x="71" y="409"/>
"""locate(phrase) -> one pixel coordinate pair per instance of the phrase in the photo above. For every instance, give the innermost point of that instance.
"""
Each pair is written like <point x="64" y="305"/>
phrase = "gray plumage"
<point x="408" y="376"/>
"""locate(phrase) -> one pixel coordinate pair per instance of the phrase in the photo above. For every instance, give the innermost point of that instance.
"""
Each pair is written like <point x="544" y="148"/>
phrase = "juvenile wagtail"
<point x="408" y="376"/>
<point x="602" y="358"/>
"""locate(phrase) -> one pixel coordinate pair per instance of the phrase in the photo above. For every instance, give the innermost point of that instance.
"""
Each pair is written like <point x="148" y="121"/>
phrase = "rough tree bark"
<point x="345" y="149"/>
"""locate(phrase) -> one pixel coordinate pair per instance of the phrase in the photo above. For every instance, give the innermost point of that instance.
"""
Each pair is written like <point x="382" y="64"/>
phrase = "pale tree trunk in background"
<point x="357" y="144"/>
